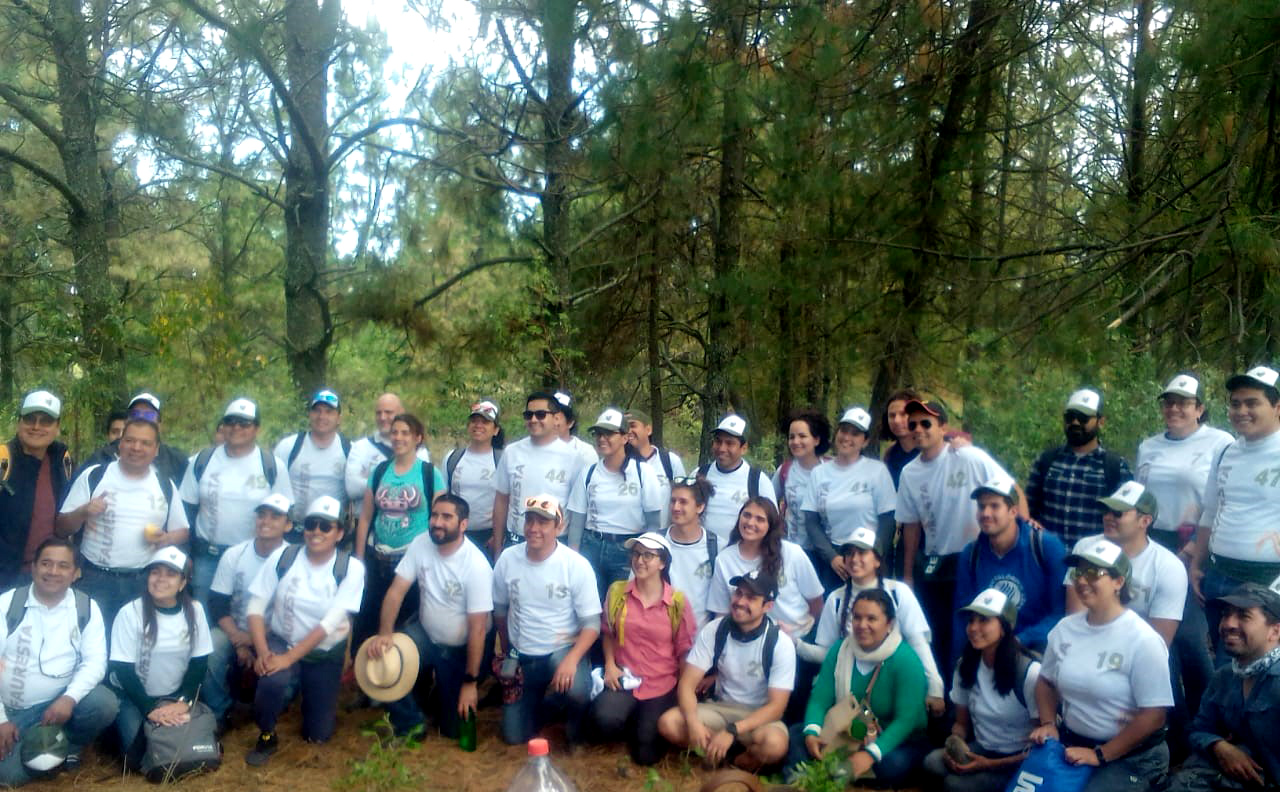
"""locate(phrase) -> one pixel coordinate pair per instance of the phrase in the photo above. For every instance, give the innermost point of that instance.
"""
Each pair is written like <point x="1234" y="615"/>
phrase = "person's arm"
<point x="1022" y="507"/>
<point x="563" y="679"/>
<point x="1140" y="727"/>
<point x="577" y="524"/>
<point x="910" y="546"/>
<point x="823" y="694"/>
<point x="193" y="678"/>
<point x="609" y="645"/>
<point x="1165" y="627"/>
<point x="687" y="701"/>
<point x="906" y="684"/>
<point x="818" y="537"/>
<point x="362" y="525"/>
<point x="1210" y="723"/>
<point x="477" y="631"/>
<point x="501" y="502"/>
<point x="924" y="651"/>
<point x="772" y="710"/>
<point x="126" y="676"/>
<point x="1047" y="704"/>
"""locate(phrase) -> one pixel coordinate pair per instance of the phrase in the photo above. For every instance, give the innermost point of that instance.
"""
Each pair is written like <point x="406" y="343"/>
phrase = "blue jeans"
<point x="111" y="590"/>
<point x="216" y="692"/>
<point x="91" y="715"/>
<point x="609" y="557"/>
<point x="318" y="680"/>
<point x="537" y="704"/>
<point x="449" y="664"/>
<point x="202" y="575"/>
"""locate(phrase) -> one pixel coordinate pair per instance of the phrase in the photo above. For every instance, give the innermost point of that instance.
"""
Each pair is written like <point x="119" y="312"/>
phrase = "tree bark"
<point x="558" y="127"/>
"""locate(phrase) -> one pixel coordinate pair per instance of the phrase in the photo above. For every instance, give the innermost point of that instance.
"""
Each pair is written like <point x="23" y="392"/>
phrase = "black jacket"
<point x="18" y="496"/>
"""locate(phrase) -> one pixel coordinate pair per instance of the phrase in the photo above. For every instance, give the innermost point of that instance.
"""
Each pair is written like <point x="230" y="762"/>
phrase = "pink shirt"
<point x="650" y="650"/>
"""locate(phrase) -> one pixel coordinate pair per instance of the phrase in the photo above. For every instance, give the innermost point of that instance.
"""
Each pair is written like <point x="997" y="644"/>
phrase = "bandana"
<point x="1257" y="667"/>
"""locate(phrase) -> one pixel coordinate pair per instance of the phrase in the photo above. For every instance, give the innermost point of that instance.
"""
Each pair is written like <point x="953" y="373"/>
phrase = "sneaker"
<point x="261" y="753"/>
<point x="72" y="762"/>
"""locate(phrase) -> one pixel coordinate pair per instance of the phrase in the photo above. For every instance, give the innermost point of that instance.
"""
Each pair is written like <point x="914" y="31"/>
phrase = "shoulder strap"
<point x="1111" y="470"/>
<point x="591" y="471"/>
<point x="346" y="445"/>
<point x="17" y="606"/>
<point x="615" y="600"/>
<point x="94" y="476"/>
<point x="972" y="557"/>
<point x="782" y="474"/>
<point x="1023" y="665"/>
<point x="753" y="482"/>
<point x="770" y="641"/>
<point x="713" y="546"/>
<point x="451" y="464"/>
<point x="381" y="446"/>
<point x="1037" y="550"/>
<point x="497" y="455"/>
<point x="297" y="448"/>
<point x="202" y="462"/>
<point x="871" y="684"/>
<point x="722" y="635"/>
<point x="286" y="559"/>
<point x="340" y="565"/>
<point x="268" y="466"/>
<point x="82" y="608"/>
<point x="1045" y="460"/>
<point x="428" y="483"/>
<point x="664" y="458"/>
<point x="703" y="470"/>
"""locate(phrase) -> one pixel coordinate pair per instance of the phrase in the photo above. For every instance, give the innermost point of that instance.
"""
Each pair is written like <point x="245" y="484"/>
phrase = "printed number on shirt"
<point x="755" y="669"/>
<point x="557" y="591"/>
<point x="1110" y="662"/>
<point x="957" y="479"/>
<point x="705" y="570"/>
<point x="557" y="476"/>
<point x="628" y="488"/>
<point x="256" y="482"/>
<point x="1269" y="477"/>
<point x="739" y="496"/>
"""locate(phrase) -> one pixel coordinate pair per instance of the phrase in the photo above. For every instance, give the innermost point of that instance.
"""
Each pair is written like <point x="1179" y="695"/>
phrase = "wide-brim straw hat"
<point x="390" y="677"/>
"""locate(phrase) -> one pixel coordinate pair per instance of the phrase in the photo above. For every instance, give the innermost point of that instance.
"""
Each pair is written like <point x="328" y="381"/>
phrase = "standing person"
<point x="233" y="655"/>
<point x="317" y="458"/>
<point x="537" y="463"/>
<point x="470" y="472"/>
<point x="1106" y="672"/>
<point x="893" y="425"/>
<point x="808" y="439"/>
<point x="693" y="548"/>
<point x="1238" y="541"/>
<point x="1234" y="733"/>
<point x="374" y="448"/>
<point x="159" y="652"/>
<point x="567" y="428"/>
<point x="115" y="425"/>
<point x="1013" y="556"/>
<point x="170" y="462"/>
<point x="647" y="629"/>
<point x="1066" y="482"/>
<point x="733" y="479"/>
<point x="741" y="722"/>
<point x="60" y="683"/>
<point x="34" y="472"/>
<point x="611" y="501"/>
<point x="455" y="603"/>
<point x="934" y="503"/>
<point x="548" y="616"/>
<point x="395" y="511"/>
<point x="666" y="464"/>
<point x="127" y="511"/>
<point x="223" y="486"/>
<point x="308" y="597"/>
<point x="994" y="690"/>
<point x="852" y="492"/>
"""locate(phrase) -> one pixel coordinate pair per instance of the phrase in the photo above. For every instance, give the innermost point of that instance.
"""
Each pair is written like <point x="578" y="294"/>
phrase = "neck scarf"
<point x="1257" y="667"/>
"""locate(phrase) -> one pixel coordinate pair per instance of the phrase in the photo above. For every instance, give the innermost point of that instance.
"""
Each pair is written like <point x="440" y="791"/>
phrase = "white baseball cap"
<point x="171" y="557"/>
<point x="1101" y="553"/>
<point x="276" y="502"/>
<point x="326" y="507"/>
<point x="1258" y="376"/>
<point x="1182" y="385"/>
<point x="149" y="398"/>
<point x="1131" y="495"/>
<point x="650" y="539"/>
<point x="485" y="409"/>
<point x="1085" y="400"/>
<point x="862" y="538"/>
<point x="858" y="418"/>
<point x="242" y="408"/>
<point x="734" y="425"/>
<point x="611" y="420"/>
<point x="994" y="602"/>
<point x="998" y="485"/>
<point x="41" y="401"/>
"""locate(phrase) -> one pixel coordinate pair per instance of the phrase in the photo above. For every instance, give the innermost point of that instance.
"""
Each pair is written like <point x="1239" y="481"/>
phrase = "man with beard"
<point x="1066" y="482"/>
<point x="1234" y="734"/>
<point x="455" y="590"/>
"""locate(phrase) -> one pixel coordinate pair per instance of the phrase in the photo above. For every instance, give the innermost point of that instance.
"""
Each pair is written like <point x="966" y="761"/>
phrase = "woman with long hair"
<point x="469" y="471"/>
<point x="808" y="440"/>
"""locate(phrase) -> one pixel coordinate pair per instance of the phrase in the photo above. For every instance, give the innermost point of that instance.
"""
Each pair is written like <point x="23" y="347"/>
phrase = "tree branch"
<point x="467" y="271"/>
<point x="28" y="112"/>
<point x="46" y="176"/>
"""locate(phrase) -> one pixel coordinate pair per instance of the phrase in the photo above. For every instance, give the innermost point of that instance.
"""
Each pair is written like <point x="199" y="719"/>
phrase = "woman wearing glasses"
<point x="469" y="472"/>
<point x="309" y="593"/>
<point x="647" y="628"/>
<point x="1104" y="687"/>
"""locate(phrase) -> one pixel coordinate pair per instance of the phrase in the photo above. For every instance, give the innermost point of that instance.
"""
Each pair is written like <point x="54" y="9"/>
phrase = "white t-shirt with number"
<point x="449" y="587"/>
<point x="1176" y="471"/>
<point x="615" y="503"/>
<point x="237" y="568"/>
<point x="116" y="538"/>
<point x="797" y="583"/>
<point x="315" y="471"/>
<point x="547" y="601"/>
<point x="793" y="492"/>
<point x="1104" y="674"/>
<point x="526" y="470"/>
<point x="741" y="676"/>
<point x="228" y="492"/>
<point x="850" y="496"/>
<point x="1158" y="581"/>
<point x="1001" y="723"/>
<point x="935" y="493"/>
<point x="307" y="595"/>
<point x="473" y="482"/>
<point x="677" y="470"/>
<point x="160" y="664"/>
<point x="691" y="572"/>
<point x="731" y="491"/>
<point x="1242" y="502"/>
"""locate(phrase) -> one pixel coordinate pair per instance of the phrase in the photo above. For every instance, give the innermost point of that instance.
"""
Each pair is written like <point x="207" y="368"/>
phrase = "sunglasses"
<point x="1073" y="417"/>
<point x="145" y="414"/>
<point x="643" y="555"/>
<point x="1090" y="573"/>
<point x="238" y="423"/>
<point x="541" y="415"/>
<point x="316" y="524"/>
<point x="923" y="423"/>
<point x="39" y="419"/>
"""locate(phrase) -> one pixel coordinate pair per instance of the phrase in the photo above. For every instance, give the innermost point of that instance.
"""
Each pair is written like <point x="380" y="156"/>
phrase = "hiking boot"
<point x="261" y="753"/>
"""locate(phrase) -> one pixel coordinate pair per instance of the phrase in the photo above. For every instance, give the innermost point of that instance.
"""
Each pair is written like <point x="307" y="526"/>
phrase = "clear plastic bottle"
<point x="539" y="774"/>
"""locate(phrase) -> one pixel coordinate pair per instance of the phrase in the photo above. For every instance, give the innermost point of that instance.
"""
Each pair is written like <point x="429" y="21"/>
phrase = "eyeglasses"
<point x="643" y="555"/>
<point x="40" y="662"/>
<point x="39" y="419"/>
<point x="923" y="423"/>
<point x="317" y="524"/>
<point x="541" y="415"/>
<point x="145" y="414"/>
<point x="1071" y="416"/>
<point x="1090" y="573"/>
<point x="1113" y="513"/>
<point x="1169" y="402"/>
<point x="238" y="423"/>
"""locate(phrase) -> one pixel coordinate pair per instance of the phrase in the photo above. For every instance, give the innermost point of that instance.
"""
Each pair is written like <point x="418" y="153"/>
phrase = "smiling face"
<point x="927" y="431"/>
<point x="995" y="515"/>
<point x="445" y="526"/>
<point x="54" y="572"/>
<point x="1181" y="415"/>
<point x="1252" y="416"/>
<point x="269" y="524"/>
<point x="481" y="430"/>
<point x="983" y="632"/>
<point x="540" y="420"/>
<point x="862" y="565"/>
<point x="36" y="432"/>
<point x="240" y="434"/>
<point x="753" y="523"/>
<point x="800" y="440"/>
<point x="1245" y="633"/>
<point x="138" y="447"/>
<point x="164" y="584"/>
<point x="896" y="412"/>
<point x="727" y="450"/>
<point x="323" y="419"/>
<point x="646" y="563"/>
<point x="320" y="536"/>
<point x="404" y="440"/>
<point x="540" y="533"/>
<point x="685" y="510"/>
<point x="1123" y="527"/>
<point x="849" y="442"/>
<point x="870" y="624"/>
<point x="747" y="608"/>
<point x="638" y="432"/>
<point x="609" y="444"/>
<point x="385" y="410"/>
<point x="1095" y="586"/>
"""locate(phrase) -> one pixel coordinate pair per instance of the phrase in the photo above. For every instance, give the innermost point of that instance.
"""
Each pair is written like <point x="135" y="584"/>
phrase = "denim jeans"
<point x="1134" y="773"/>
<point x="111" y="590"/>
<point x="216" y="692"/>
<point x="981" y="781"/>
<point x="538" y="704"/>
<point x="202" y="575"/>
<point x="449" y="664"/>
<point x="91" y="715"/>
<point x="317" y="680"/>
<point x="609" y="557"/>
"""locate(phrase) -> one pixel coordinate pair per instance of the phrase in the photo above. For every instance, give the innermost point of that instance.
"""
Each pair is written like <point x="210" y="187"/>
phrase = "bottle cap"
<point x="538" y="747"/>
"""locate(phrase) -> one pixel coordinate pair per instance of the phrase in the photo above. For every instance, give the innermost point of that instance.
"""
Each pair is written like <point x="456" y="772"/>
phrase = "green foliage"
<point x="384" y="768"/>
<point x="828" y="774"/>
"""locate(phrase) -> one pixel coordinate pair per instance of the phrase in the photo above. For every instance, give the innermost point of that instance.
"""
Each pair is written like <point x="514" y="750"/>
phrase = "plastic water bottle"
<point x="539" y="774"/>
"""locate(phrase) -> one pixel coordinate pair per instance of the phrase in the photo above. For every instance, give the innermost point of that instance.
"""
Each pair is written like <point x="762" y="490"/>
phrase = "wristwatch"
<point x="1102" y="760"/>
<point x="732" y="728"/>
<point x="469" y="678"/>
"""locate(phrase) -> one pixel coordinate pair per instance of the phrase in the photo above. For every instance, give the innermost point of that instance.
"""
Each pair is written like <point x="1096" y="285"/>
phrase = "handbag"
<point x="176" y="751"/>
<point x="1046" y="769"/>
<point x="850" y="723"/>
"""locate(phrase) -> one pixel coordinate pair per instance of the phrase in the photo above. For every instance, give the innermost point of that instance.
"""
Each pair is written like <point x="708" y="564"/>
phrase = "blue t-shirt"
<point x="401" y="508"/>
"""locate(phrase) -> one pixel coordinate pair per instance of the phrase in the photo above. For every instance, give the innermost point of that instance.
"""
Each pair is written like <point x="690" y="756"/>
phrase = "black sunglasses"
<point x="1071" y="416"/>
<point x="240" y="423"/>
<point x="316" y="524"/>
<point x="923" y="423"/>
<point x="541" y="415"/>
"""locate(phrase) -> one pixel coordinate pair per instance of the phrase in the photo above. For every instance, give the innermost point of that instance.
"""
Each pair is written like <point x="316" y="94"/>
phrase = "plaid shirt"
<point x="1063" y="496"/>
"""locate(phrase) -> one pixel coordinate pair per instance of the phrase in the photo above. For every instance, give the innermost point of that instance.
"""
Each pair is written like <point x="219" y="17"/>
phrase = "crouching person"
<point x="46" y="679"/>
<point x="755" y="673"/>
<point x="309" y="592"/>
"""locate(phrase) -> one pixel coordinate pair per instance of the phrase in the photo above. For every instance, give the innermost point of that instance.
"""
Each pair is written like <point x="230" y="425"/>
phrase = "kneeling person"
<point x="755" y="673"/>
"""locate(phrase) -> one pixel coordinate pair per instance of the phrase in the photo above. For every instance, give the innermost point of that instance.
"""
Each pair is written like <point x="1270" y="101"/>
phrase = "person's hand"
<point x="706" y="683"/>
<point x="837" y="566"/>
<point x="1237" y="764"/>
<point x="698" y="735"/>
<point x="1041" y="734"/>
<point x="612" y="676"/>
<point x="935" y="705"/>
<point x="718" y="747"/>
<point x="468" y="699"/>
<point x="814" y="745"/>
<point x="244" y="656"/>
<point x="1078" y="755"/>
<point x="861" y="763"/>
<point x="563" y="679"/>
<point x="170" y="713"/>
<point x="268" y="664"/>
<point x="8" y="738"/>
<point x="974" y="763"/>
<point x="58" y="712"/>
<point x="97" y="505"/>
<point x="240" y="638"/>
<point x="380" y="643"/>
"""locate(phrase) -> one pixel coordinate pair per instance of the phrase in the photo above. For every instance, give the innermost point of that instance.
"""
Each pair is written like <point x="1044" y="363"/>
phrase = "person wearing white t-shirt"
<point x="808" y="439"/>
<point x="470" y="471"/>
<point x="742" y="721"/>
<point x="666" y="464"/>
<point x="548" y="615"/>
<point x="368" y="451"/>
<point x="317" y="458"/>
<point x="566" y="421"/>
<point x="693" y="548"/>
<point x="541" y="462"/>
<point x="224" y="485"/>
<point x="455" y="592"/>
<point x="159" y="652"/>
<point x="308" y="598"/>
<point x="1239" y="537"/>
<point x="126" y="513"/>
<point x="52" y="661"/>
<point x="611" y="501"/>
<point x="229" y="601"/>
<point x="1106" y="672"/>
<point x="733" y="478"/>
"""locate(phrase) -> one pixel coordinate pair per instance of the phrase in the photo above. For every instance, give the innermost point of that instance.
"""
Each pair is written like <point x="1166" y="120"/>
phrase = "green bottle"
<point x="467" y="732"/>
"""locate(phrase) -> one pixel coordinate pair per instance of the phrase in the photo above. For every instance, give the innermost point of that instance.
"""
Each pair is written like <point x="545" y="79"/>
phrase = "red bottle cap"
<point x="538" y="747"/>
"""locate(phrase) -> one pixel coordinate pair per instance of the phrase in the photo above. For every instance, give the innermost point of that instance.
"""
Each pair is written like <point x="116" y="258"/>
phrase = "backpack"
<point x="1037" y="551"/>
<point x="268" y="465"/>
<point x="96" y="473"/>
<point x="290" y="555"/>
<point x="455" y="456"/>
<point x="297" y="448"/>
<point x="6" y="463"/>
<point x="713" y="547"/>
<point x="1110" y="466"/>
<point x="176" y="751"/>
<point x="18" y="607"/>
<point x="753" y="478"/>
<point x="615" y="602"/>
<point x="591" y="470"/>
<point x="428" y="483"/>
<point x="771" y="632"/>
<point x="1023" y="665"/>
<point x="664" y="458"/>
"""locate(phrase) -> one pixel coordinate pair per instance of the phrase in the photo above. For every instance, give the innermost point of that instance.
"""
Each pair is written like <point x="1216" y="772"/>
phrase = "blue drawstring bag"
<point x="1046" y="769"/>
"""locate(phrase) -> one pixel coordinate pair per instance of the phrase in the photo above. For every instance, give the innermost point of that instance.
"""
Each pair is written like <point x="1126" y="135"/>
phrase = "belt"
<point x="609" y="537"/>
<point x="208" y="548"/>
<point x="115" y="571"/>
<point x="1072" y="739"/>
<point x="1261" y="572"/>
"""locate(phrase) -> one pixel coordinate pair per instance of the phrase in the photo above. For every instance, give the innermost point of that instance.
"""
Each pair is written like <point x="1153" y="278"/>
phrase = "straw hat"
<point x="390" y="677"/>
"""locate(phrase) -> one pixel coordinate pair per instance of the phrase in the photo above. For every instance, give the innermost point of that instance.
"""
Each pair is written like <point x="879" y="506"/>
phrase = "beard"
<point x="448" y="536"/>
<point x="1078" y="435"/>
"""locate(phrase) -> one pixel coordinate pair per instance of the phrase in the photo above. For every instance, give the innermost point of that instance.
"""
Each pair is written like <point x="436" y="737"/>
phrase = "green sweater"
<point x="897" y="700"/>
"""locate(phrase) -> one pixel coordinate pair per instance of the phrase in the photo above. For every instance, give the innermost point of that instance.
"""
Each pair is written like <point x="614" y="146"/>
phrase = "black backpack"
<point x="297" y="448"/>
<point x="428" y="483"/>
<point x="18" y="607"/>
<point x="455" y="456"/>
<point x="268" y="465"/>
<point x="753" y="478"/>
<point x="290" y="555"/>
<point x="664" y="458"/>
<point x="771" y="632"/>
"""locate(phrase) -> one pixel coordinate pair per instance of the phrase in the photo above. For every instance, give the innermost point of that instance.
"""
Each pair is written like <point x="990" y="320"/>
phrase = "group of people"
<point x="924" y="614"/>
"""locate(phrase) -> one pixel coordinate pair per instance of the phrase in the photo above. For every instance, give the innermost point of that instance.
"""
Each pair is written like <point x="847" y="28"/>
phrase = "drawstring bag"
<point x="1046" y="769"/>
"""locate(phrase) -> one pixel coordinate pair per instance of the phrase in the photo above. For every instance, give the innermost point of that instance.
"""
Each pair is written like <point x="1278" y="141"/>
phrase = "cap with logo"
<point x="485" y="409"/>
<point x="650" y="539"/>
<point x="1001" y="485"/>
<point x="1256" y="377"/>
<point x="326" y="507"/>
<point x="1086" y="400"/>
<point x="171" y="557"/>
<point x="862" y="538"/>
<point x="41" y="401"/>
<point x="241" y="408"/>
<point x="757" y="581"/>
<point x="1183" y="385"/>
<point x="1254" y="595"/>
<point x="733" y="425"/>
<point x="544" y="505"/>
<point x="44" y="747"/>
<point x="1102" y="553"/>
<point x="995" y="603"/>
<point x="1131" y="495"/>
<point x="858" y="418"/>
<point x="565" y="400"/>
<point x="146" y="398"/>
<point x="636" y="414"/>
<point x="275" y="502"/>
<point x="931" y="407"/>
<point x="326" y="397"/>
<point x="611" y="420"/>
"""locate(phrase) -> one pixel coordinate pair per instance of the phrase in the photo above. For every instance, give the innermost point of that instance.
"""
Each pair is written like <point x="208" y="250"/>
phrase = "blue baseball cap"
<point x="326" y="397"/>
